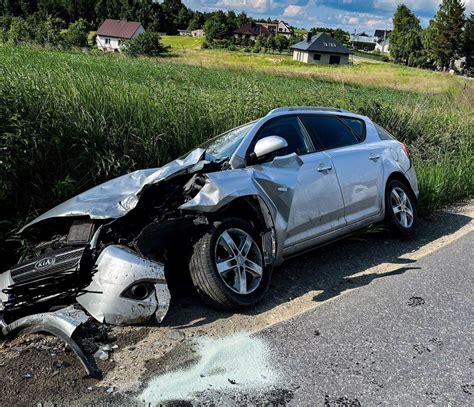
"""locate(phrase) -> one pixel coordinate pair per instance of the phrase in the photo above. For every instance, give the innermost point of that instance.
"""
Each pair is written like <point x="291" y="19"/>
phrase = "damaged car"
<point x="230" y="211"/>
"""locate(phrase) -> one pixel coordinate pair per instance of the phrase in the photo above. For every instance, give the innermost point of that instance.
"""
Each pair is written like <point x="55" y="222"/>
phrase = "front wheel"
<point x="400" y="209"/>
<point x="227" y="265"/>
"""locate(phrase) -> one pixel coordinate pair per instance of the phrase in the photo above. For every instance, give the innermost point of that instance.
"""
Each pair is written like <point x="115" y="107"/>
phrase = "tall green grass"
<point x="69" y="121"/>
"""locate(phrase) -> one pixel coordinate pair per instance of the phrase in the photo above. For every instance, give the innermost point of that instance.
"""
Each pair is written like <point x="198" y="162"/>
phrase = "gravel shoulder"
<point x="39" y="370"/>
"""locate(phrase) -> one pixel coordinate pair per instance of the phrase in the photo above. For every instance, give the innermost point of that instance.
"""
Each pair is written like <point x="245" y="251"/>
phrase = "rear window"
<point x="383" y="134"/>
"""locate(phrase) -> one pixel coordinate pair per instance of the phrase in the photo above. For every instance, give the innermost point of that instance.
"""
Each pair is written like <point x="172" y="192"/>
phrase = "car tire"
<point x="400" y="209"/>
<point x="237" y="283"/>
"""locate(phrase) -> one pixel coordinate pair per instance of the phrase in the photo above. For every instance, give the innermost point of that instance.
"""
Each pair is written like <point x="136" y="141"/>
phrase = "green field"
<point x="71" y="120"/>
<point x="182" y="42"/>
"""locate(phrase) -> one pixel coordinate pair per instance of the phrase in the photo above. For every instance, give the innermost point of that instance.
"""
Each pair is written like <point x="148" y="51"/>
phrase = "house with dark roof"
<point x="382" y="41"/>
<point x="320" y="49"/>
<point x="112" y="34"/>
<point x="252" y="31"/>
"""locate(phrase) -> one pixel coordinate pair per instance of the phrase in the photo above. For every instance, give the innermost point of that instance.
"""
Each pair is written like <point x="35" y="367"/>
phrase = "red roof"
<point x="254" y="29"/>
<point x="118" y="28"/>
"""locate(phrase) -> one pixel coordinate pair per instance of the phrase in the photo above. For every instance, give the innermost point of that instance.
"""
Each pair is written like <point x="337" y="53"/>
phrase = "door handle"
<point x="323" y="168"/>
<point x="374" y="157"/>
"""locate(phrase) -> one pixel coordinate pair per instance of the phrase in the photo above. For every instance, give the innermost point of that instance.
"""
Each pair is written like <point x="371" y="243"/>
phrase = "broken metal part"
<point x="115" y="198"/>
<point x="119" y="269"/>
<point x="62" y="324"/>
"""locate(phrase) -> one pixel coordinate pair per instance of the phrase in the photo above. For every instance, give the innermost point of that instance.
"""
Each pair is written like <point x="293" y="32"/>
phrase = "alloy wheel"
<point x="238" y="261"/>
<point x="402" y="207"/>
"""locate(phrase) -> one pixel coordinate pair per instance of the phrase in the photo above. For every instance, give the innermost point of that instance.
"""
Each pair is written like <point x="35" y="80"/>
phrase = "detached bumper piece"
<point x="62" y="324"/>
<point x="121" y="288"/>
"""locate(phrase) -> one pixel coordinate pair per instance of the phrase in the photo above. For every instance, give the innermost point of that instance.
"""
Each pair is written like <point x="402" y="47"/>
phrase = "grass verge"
<point x="69" y="121"/>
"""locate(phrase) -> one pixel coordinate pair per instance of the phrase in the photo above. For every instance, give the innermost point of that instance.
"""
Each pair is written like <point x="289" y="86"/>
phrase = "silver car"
<point x="227" y="212"/>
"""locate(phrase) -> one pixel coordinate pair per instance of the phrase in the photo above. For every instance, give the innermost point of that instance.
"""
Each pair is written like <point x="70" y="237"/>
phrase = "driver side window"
<point x="289" y="129"/>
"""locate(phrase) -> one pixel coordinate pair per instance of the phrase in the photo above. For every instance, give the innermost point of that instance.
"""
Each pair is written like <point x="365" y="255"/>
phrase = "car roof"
<point x="308" y="109"/>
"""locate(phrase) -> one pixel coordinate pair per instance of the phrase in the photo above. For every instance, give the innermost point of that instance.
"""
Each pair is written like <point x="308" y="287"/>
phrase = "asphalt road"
<point x="367" y="320"/>
<point x="404" y="339"/>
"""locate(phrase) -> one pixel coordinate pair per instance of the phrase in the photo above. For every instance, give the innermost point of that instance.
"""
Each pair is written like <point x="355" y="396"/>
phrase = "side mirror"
<point x="269" y="145"/>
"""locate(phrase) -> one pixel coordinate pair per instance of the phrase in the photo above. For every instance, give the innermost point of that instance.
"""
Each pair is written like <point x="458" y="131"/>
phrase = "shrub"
<point x="75" y="35"/>
<point x="256" y="49"/>
<point x="18" y="32"/>
<point x="232" y="48"/>
<point x="148" y="43"/>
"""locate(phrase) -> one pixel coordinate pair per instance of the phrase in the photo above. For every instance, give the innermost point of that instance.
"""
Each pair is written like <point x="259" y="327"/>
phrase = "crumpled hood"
<point x="115" y="198"/>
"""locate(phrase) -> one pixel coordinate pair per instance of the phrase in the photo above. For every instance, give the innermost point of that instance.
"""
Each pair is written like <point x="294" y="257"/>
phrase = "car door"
<point x="358" y="163"/>
<point x="305" y="188"/>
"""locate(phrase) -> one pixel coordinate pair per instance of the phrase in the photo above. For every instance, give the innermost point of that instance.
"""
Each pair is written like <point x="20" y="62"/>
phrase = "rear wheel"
<point x="400" y="209"/>
<point x="227" y="266"/>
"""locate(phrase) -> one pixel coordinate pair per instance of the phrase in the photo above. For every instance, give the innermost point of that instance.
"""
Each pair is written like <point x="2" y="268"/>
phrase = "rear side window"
<point x="357" y="126"/>
<point x="330" y="132"/>
<point x="383" y="134"/>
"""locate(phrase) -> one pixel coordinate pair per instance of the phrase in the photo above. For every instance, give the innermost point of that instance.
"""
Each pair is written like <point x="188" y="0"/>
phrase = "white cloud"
<point x="293" y="11"/>
<point x="259" y="6"/>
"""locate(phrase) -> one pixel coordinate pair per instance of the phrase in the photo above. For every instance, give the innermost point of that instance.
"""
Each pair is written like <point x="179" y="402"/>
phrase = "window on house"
<point x="317" y="57"/>
<point x="119" y="42"/>
<point x="107" y="41"/>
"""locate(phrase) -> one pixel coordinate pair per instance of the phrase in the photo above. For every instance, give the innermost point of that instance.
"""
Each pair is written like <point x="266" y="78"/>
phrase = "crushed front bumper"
<point x="118" y="270"/>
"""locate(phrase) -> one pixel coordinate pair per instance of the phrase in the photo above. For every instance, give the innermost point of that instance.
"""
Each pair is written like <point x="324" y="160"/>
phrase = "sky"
<point x="359" y="15"/>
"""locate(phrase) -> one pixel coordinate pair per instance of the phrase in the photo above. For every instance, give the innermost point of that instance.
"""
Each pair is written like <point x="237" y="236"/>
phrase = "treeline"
<point x="448" y="38"/>
<point x="166" y="16"/>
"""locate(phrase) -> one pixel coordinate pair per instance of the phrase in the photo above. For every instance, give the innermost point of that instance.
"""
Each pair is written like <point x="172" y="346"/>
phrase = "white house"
<point x="320" y="49"/>
<point x="112" y="34"/>
<point x="380" y="41"/>
<point x="199" y="33"/>
<point x="284" y="29"/>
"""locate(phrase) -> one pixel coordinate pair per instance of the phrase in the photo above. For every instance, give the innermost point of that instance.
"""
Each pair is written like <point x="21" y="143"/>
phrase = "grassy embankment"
<point x="69" y="121"/>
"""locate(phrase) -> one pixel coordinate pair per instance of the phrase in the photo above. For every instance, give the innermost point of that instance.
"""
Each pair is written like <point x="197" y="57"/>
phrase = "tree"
<point x="197" y="21"/>
<point x="18" y="32"/>
<point x="76" y="34"/>
<point x="148" y="43"/>
<point x="215" y="27"/>
<point x="339" y="34"/>
<point x="281" y="43"/>
<point x="5" y="22"/>
<point x="48" y="32"/>
<point x="449" y="23"/>
<point x="405" y="40"/>
<point x="468" y="45"/>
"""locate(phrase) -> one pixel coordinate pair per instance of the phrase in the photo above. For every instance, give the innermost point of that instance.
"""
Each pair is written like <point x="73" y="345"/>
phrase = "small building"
<point x="185" y="33"/>
<point x="379" y="42"/>
<point x="320" y="49"/>
<point x="199" y="33"/>
<point x="112" y="34"/>
<point x="382" y="41"/>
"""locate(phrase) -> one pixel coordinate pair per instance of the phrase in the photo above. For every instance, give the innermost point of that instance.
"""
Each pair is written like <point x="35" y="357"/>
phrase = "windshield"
<point x="224" y="145"/>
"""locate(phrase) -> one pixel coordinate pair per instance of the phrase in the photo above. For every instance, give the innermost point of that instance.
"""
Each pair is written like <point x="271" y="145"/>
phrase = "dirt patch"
<point x="37" y="369"/>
